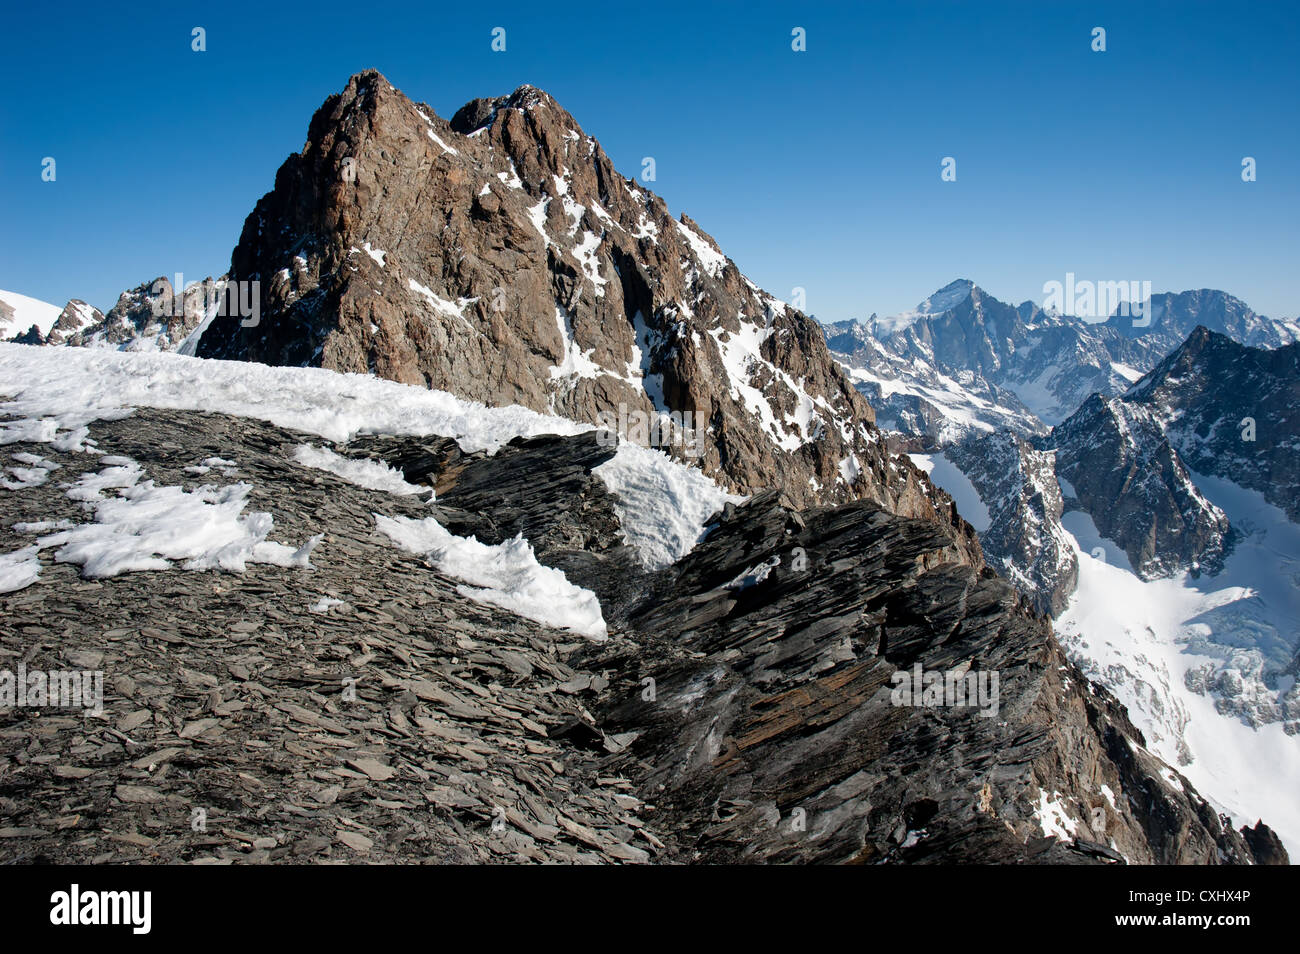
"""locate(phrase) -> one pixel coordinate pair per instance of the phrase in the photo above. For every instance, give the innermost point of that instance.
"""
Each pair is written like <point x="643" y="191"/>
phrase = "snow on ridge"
<point x="742" y="351"/>
<point x="445" y="148"/>
<point x="1053" y="818"/>
<point x="147" y="527"/>
<point x="585" y="253"/>
<point x="57" y="392"/>
<point x="710" y="258"/>
<point x="441" y="305"/>
<point x="661" y="504"/>
<point x="576" y="363"/>
<point x="941" y="301"/>
<point x="370" y="474"/>
<point x="946" y="298"/>
<point x="537" y="215"/>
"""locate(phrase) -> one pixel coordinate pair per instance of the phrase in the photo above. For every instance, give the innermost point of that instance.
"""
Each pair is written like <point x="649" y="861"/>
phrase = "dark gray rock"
<point x="475" y="735"/>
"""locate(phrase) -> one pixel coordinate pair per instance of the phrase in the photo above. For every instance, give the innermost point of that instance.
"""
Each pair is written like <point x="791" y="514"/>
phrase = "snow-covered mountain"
<point x="150" y="317"/>
<point x="1174" y="316"/>
<point x="914" y="394"/>
<point x="20" y="315"/>
<point x="1231" y="411"/>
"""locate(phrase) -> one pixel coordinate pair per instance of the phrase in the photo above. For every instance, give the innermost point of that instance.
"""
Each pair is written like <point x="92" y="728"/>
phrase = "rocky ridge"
<point x="472" y="734"/>
<point x="1230" y="410"/>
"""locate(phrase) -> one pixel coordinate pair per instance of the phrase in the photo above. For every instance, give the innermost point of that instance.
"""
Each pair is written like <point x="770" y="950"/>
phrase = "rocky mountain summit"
<point x="741" y="706"/>
<point x="501" y="257"/>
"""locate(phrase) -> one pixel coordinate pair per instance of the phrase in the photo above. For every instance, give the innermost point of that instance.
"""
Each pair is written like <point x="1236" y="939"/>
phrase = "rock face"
<point x="1230" y="410"/>
<point x="1123" y="471"/>
<point x="1128" y="458"/>
<point x="769" y="731"/>
<point x="501" y="257"/>
<point x="1025" y="540"/>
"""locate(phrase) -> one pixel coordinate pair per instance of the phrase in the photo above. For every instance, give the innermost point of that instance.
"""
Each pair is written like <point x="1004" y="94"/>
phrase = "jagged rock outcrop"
<point x="149" y="317"/>
<point x="501" y="257"/>
<point x="1116" y="461"/>
<point x="371" y="710"/>
<point x="32" y="336"/>
<point x="1230" y="410"/>
<point x="1024" y="540"/>
<point x="1265" y="845"/>
<point x="53" y="325"/>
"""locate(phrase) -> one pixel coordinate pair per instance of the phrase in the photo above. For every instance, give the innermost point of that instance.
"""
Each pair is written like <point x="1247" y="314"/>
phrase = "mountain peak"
<point x="481" y="113"/>
<point x="947" y="297"/>
<point x="503" y="258"/>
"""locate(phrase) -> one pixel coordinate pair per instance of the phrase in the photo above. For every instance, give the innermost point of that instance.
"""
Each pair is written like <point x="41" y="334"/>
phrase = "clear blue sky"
<point x="818" y="169"/>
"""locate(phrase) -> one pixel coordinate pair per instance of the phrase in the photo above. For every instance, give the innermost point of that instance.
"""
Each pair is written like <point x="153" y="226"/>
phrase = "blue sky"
<point x="818" y="169"/>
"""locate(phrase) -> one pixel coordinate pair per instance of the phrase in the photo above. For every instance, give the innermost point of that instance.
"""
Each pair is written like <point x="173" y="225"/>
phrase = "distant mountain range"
<point x="964" y="362"/>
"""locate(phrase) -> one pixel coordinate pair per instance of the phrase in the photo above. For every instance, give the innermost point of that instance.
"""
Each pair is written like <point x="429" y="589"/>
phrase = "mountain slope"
<point x="19" y="314"/>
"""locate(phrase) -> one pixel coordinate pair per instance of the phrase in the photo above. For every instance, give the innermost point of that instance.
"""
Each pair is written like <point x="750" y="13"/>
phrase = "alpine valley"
<point x="368" y="576"/>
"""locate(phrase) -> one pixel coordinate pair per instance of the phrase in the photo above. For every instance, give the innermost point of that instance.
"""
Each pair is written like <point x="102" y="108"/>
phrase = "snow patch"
<point x="371" y="474"/>
<point x="505" y="575"/>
